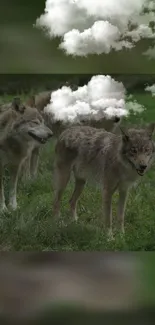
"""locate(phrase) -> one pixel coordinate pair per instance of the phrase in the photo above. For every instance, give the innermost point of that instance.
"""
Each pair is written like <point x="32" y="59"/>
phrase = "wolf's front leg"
<point x="34" y="160"/>
<point x="25" y="169"/>
<point x="3" y="207"/>
<point x="14" y="172"/>
<point x="123" y="195"/>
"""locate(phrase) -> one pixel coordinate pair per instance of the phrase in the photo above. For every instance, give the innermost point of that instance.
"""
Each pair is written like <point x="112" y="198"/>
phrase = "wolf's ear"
<point x="150" y="129"/>
<point x="125" y="134"/>
<point x="31" y="101"/>
<point x="16" y="103"/>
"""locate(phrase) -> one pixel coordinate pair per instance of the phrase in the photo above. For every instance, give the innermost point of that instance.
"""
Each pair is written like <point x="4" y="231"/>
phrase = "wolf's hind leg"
<point x="61" y="178"/>
<point x="79" y="186"/>
<point x="107" y="202"/>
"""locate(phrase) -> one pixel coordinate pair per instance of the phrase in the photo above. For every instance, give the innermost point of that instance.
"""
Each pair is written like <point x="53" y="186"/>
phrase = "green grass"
<point x="32" y="226"/>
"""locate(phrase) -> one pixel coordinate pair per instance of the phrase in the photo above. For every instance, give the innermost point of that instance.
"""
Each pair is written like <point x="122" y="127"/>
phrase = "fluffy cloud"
<point x="101" y="97"/>
<point x="88" y="26"/>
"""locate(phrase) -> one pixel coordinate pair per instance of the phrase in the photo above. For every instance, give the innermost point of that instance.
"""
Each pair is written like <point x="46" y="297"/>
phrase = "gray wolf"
<point x="16" y="108"/>
<point x="114" y="161"/>
<point x="20" y="134"/>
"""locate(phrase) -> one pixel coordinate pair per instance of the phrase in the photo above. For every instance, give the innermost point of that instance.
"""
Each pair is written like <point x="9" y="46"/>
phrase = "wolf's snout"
<point x="142" y="167"/>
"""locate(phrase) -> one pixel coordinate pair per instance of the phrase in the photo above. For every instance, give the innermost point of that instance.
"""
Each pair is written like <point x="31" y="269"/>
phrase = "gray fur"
<point x="115" y="161"/>
<point x="20" y="134"/>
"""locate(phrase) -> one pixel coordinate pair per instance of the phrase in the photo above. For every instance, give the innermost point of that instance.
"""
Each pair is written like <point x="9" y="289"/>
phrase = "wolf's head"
<point x="138" y="147"/>
<point x="31" y="126"/>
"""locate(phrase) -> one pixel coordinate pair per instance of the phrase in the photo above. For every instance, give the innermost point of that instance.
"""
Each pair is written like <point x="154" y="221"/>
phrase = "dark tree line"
<point x="18" y="84"/>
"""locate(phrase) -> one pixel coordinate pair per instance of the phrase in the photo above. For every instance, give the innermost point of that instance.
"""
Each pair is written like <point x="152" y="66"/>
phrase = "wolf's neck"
<point x="126" y="162"/>
<point x="15" y="143"/>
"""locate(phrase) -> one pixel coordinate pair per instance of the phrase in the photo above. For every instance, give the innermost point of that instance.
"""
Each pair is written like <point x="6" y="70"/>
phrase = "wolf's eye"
<point x="133" y="150"/>
<point x="147" y="151"/>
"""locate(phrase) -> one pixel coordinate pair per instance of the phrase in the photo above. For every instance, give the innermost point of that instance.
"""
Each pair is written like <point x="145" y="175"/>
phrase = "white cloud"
<point x="97" y="26"/>
<point x="101" y="97"/>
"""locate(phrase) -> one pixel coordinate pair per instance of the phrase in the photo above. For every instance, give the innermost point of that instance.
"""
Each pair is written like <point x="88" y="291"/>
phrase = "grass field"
<point x="32" y="227"/>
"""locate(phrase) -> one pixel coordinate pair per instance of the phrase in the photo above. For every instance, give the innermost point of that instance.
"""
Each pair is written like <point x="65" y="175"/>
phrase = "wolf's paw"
<point x="62" y="223"/>
<point x="75" y="216"/>
<point x="110" y="236"/>
<point x="12" y="206"/>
